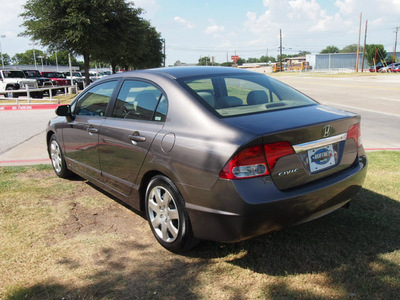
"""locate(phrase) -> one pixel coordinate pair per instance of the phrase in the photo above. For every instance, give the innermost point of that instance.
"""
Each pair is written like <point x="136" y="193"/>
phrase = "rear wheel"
<point x="167" y="216"/>
<point x="57" y="159"/>
<point x="37" y="95"/>
<point x="10" y="94"/>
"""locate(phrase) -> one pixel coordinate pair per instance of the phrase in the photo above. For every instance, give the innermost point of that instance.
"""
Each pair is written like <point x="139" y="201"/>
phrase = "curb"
<point x="28" y="107"/>
<point x="23" y="162"/>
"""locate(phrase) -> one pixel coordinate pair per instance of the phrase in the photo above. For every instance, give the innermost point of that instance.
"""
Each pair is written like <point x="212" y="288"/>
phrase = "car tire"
<point x="38" y="95"/>
<point x="10" y="94"/>
<point x="57" y="159"/>
<point x="167" y="216"/>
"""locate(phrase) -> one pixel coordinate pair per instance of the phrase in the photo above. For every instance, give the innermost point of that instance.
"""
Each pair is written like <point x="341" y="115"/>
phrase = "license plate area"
<point x="321" y="158"/>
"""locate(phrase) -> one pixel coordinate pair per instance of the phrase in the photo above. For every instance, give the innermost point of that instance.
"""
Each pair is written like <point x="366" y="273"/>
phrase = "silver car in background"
<point x="211" y="153"/>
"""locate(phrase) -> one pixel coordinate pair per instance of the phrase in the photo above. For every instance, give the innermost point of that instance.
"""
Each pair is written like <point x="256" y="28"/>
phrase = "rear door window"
<point x="140" y="101"/>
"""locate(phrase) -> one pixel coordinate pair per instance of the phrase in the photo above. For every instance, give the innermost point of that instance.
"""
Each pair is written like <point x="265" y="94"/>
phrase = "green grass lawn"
<point x="65" y="239"/>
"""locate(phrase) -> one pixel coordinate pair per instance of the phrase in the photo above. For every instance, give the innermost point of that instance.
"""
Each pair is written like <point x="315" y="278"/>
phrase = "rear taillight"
<point x="275" y="151"/>
<point x="355" y="134"/>
<point x="255" y="161"/>
<point x="249" y="162"/>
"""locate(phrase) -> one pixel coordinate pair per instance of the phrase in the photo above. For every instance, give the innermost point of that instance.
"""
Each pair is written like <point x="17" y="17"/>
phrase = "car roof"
<point x="182" y="72"/>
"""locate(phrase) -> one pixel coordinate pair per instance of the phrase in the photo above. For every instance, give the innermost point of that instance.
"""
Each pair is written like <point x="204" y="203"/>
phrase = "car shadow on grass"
<point x="354" y="247"/>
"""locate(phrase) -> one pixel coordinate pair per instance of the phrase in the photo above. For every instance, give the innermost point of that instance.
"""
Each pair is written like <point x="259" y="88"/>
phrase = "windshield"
<point x="32" y="74"/>
<point x="244" y="94"/>
<point x="50" y="75"/>
<point x="13" y="74"/>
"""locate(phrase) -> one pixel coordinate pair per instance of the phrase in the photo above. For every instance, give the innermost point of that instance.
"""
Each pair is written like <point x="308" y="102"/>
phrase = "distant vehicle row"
<point x="385" y="67"/>
<point x="11" y="80"/>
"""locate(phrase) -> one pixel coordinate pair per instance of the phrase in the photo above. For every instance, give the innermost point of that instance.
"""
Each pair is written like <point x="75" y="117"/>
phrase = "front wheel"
<point x="167" y="216"/>
<point x="57" y="159"/>
<point x="10" y="94"/>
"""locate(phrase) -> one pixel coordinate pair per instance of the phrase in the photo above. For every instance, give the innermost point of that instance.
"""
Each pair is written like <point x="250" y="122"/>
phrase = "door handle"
<point x="136" y="138"/>
<point x="92" y="130"/>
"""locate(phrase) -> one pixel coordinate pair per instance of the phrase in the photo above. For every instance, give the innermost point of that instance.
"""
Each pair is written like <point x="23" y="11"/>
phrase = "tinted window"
<point x="141" y="101"/>
<point x="94" y="102"/>
<point x="13" y="74"/>
<point x="245" y="94"/>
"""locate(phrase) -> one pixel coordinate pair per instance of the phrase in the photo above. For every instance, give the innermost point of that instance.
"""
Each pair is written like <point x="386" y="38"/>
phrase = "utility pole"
<point x="358" y="45"/>
<point x="280" y="50"/>
<point x="163" y="41"/>
<point x="395" y="44"/>
<point x="365" y="44"/>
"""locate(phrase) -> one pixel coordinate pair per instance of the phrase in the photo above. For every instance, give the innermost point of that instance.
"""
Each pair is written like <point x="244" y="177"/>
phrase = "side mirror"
<point x="63" y="111"/>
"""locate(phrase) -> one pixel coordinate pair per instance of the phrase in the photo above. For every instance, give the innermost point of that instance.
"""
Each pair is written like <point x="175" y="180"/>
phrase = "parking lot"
<point x="375" y="97"/>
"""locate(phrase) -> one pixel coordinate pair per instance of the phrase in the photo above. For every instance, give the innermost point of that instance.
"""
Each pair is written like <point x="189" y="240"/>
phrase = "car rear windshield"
<point x="233" y="95"/>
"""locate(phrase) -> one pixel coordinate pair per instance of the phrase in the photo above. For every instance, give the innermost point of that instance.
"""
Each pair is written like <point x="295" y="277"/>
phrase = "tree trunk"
<point x="86" y="59"/>
<point x="114" y="67"/>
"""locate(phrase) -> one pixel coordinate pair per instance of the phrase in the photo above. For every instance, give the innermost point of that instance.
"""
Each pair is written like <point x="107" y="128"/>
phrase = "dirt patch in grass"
<point x="63" y="239"/>
<point x="109" y="219"/>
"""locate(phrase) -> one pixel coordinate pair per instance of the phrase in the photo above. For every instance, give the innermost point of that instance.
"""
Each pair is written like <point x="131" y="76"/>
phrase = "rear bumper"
<point x="237" y="210"/>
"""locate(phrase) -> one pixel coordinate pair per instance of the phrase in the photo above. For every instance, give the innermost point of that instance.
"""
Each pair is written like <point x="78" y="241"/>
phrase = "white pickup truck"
<point x="11" y="80"/>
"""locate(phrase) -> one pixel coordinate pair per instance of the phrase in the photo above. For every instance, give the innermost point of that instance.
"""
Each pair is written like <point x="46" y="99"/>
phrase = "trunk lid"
<point x="318" y="135"/>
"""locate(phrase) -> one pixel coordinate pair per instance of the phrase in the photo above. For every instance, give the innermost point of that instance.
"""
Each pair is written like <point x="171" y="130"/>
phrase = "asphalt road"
<point x="17" y="127"/>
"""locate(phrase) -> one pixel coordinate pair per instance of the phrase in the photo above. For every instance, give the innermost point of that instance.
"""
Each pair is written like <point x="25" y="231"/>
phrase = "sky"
<point x="247" y="28"/>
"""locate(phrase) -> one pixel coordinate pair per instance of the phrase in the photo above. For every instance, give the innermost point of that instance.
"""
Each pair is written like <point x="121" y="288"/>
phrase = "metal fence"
<point x="29" y="96"/>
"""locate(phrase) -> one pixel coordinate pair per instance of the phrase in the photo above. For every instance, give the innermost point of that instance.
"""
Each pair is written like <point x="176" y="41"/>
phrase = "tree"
<point x="370" y="53"/>
<point x="267" y="59"/>
<point x="85" y="27"/>
<point x="151" y="55"/>
<point x="61" y="58"/>
<point x="330" y="49"/>
<point x="351" y="49"/>
<point x="28" y="57"/>
<point x="139" y="45"/>
<point x="252" y="60"/>
<point x="240" y="61"/>
<point x="6" y="59"/>
<point x="205" y="61"/>
<point x="227" y="64"/>
<point x="304" y="53"/>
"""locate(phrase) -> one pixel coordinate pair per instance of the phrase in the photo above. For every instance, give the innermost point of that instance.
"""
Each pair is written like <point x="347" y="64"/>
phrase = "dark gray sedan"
<point x="210" y="153"/>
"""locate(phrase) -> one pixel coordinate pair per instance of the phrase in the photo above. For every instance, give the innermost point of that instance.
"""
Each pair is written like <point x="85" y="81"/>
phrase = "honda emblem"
<point x="326" y="131"/>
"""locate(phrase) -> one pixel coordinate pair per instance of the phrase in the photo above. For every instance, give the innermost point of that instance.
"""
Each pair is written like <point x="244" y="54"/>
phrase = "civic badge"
<point x="326" y="131"/>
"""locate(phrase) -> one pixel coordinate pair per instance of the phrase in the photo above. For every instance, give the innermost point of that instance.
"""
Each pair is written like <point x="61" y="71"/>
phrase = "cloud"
<point x="300" y="20"/>
<point x="184" y="22"/>
<point x="214" y="29"/>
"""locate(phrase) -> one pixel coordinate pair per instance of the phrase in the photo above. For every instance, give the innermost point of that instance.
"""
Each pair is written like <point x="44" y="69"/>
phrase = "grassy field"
<point x="64" y="239"/>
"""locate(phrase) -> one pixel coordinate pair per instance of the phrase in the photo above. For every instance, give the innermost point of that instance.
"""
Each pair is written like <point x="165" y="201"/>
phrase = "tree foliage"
<point x="28" y="57"/>
<point x="6" y="59"/>
<point x="330" y="49"/>
<point x="370" y="53"/>
<point x="205" y="61"/>
<point x="104" y="30"/>
<point x="351" y="49"/>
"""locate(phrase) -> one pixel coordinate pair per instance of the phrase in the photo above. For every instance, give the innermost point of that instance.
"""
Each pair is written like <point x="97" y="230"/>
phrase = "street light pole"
<point x="1" y="52"/>
<point x="41" y="58"/>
